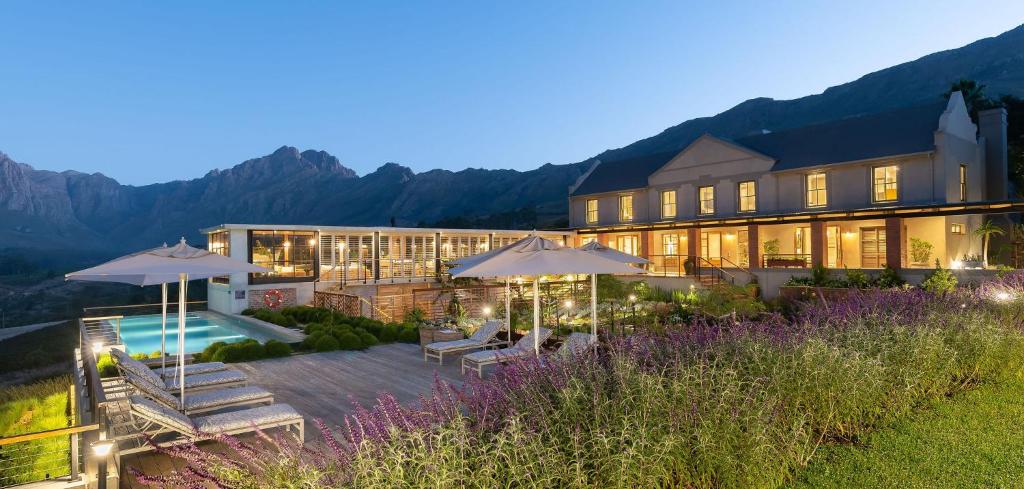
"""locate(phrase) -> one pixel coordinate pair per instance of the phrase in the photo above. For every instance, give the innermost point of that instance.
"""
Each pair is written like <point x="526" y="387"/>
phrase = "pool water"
<point x="141" y="334"/>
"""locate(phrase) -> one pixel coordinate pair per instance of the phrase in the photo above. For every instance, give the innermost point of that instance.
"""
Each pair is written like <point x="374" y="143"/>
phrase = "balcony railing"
<point x="786" y="260"/>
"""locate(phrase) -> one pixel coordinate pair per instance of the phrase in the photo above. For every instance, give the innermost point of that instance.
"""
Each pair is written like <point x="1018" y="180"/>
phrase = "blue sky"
<point x="149" y="92"/>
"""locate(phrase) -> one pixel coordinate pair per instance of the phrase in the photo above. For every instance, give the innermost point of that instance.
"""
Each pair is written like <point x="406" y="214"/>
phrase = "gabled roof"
<point x="898" y="132"/>
<point x="629" y="173"/>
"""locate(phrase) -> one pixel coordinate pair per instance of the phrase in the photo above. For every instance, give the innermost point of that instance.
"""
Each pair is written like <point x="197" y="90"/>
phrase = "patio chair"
<point x="523" y="348"/>
<point x="194" y="382"/>
<point x="482" y="338"/>
<point x="164" y="426"/>
<point x="201" y="402"/>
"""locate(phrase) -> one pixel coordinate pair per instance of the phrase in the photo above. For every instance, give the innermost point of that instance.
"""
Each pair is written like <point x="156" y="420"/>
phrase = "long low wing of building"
<point x="307" y="258"/>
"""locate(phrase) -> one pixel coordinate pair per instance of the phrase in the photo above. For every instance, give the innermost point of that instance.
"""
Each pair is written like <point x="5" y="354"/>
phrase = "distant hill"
<point x="76" y="213"/>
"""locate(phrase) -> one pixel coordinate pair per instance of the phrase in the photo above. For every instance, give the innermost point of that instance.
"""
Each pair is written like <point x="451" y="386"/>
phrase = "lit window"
<point x="707" y="199"/>
<point x="592" y="210"/>
<point x="748" y="196"/>
<point x="670" y="244"/>
<point x="963" y="183"/>
<point x="291" y="255"/>
<point x="585" y="240"/>
<point x="885" y="186"/>
<point x="817" y="193"/>
<point x="219" y="243"/>
<point x="668" y="204"/>
<point x="956" y="228"/>
<point x="628" y="244"/>
<point x="625" y="207"/>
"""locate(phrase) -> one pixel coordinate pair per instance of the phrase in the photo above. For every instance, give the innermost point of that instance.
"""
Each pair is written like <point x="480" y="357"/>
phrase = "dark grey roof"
<point x="625" y="174"/>
<point x="898" y="132"/>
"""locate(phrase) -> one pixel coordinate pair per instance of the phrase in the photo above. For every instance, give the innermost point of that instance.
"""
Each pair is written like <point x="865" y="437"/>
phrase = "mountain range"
<point x="92" y="213"/>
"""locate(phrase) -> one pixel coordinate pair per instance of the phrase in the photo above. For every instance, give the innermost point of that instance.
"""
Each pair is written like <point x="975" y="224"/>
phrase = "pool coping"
<point x="292" y="336"/>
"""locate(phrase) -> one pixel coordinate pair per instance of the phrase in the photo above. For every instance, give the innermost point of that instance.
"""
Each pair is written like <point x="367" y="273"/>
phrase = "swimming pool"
<point x="141" y="334"/>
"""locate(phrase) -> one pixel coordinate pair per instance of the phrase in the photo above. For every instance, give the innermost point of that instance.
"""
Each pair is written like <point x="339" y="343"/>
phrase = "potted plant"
<point x="920" y="252"/>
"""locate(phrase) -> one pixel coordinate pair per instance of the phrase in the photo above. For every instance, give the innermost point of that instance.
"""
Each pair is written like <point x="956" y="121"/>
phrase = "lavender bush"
<point x="708" y="404"/>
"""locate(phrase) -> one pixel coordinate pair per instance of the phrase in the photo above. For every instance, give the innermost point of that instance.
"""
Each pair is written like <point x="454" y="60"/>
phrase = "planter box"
<point x="805" y="293"/>
<point x="433" y="335"/>
<point x="785" y="263"/>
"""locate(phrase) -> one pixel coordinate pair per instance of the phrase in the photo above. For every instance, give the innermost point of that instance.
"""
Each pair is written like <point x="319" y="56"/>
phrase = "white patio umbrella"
<point x="164" y="265"/>
<point x="612" y="254"/>
<point x="535" y="256"/>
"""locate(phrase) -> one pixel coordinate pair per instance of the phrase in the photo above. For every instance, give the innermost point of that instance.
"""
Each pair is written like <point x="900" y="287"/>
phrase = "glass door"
<point x="711" y="247"/>
<point x="833" y="247"/>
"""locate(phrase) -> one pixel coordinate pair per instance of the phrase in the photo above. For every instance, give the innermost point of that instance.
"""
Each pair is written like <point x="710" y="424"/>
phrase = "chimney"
<point x="992" y="127"/>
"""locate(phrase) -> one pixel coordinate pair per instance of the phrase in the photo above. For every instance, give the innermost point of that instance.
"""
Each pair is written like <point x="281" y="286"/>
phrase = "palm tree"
<point x="985" y="232"/>
<point x="974" y="95"/>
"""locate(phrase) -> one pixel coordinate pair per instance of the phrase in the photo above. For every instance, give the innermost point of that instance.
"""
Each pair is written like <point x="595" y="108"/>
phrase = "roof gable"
<point x="611" y="176"/>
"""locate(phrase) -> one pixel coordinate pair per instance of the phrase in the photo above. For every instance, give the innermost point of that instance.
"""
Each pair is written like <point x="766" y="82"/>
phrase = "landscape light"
<point x="1003" y="296"/>
<point x="956" y="264"/>
<point x="101" y="448"/>
<point x="632" y="297"/>
<point x="568" y="304"/>
<point x="96" y="345"/>
<point x="487" y="310"/>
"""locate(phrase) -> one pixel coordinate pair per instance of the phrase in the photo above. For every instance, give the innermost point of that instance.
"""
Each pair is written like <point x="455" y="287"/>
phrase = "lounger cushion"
<point x="489" y="356"/>
<point x="206" y="380"/>
<point x="138" y="368"/>
<point x="225" y="397"/>
<point x="487" y="332"/>
<point x="162" y="415"/>
<point x="454" y="345"/>
<point x="195" y="368"/>
<point x="574" y="343"/>
<point x="246" y="418"/>
<point x="146" y="388"/>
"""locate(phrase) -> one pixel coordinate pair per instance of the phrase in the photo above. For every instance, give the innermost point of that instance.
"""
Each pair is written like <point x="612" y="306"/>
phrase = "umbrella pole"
<point x="593" y="306"/>
<point x="536" y="315"/>
<point x="508" y="310"/>
<point x="163" y="331"/>
<point x="182" y="283"/>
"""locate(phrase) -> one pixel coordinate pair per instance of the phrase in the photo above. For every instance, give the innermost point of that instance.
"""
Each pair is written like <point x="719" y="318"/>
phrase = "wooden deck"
<point x="325" y="386"/>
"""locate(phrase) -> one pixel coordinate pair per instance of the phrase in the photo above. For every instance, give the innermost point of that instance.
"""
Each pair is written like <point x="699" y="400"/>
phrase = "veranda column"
<point x="894" y="242"/>
<point x="753" y="247"/>
<point x="817" y="243"/>
<point x="646" y="237"/>
<point x="692" y="249"/>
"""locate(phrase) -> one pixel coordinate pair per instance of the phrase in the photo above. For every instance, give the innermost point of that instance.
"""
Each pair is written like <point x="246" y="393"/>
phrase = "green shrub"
<point x="276" y="349"/>
<point x="207" y="354"/>
<point x="410" y="334"/>
<point x="105" y="365"/>
<point x="309" y="343"/>
<point x="416" y="315"/>
<point x="275" y="318"/>
<point x="327" y="343"/>
<point x="890" y="278"/>
<point x="248" y="311"/>
<point x="368" y="339"/>
<point x="390" y="333"/>
<point x="856" y="278"/>
<point x="939" y="281"/>
<point x="350" y="341"/>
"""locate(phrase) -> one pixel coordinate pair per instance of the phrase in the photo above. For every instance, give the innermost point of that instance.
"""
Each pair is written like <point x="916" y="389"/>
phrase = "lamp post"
<point x="486" y="312"/>
<point x="632" y="303"/>
<point x="101" y="449"/>
<point x="568" y="306"/>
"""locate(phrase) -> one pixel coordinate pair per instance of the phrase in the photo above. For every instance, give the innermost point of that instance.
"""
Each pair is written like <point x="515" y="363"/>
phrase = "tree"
<point x="1015" y="138"/>
<point x="974" y="96"/>
<point x="985" y="232"/>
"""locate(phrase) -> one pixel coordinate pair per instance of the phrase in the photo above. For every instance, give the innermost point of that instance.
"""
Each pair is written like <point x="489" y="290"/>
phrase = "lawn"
<point x="975" y="439"/>
<point x="28" y="409"/>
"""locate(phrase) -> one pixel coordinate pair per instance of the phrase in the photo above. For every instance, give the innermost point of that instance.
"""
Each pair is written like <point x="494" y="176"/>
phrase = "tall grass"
<point x="33" y="408"/>
<point x="708" y="404"/>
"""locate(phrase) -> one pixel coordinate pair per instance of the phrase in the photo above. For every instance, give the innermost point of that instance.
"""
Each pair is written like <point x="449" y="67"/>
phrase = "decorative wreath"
<point x="273" y="298"/>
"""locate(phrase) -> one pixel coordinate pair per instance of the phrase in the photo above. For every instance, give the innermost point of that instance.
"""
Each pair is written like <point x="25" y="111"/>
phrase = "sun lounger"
<point x="165" y="426"/>
<point x="198" y="381"/>
<point x="482" y="338"/>
<point x="575" y="343"/>
<point x="200" y="402"/>
<point x="193" y="368"/>
<point x="523" y="348"/>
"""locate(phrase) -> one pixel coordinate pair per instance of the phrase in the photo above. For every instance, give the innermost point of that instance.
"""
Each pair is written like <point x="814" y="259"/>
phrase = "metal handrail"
<point x="716" y="268"/>
<point x="175" y="303"/>
<point x="738" y="267"/>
